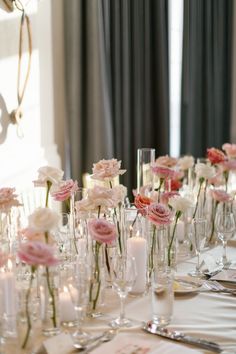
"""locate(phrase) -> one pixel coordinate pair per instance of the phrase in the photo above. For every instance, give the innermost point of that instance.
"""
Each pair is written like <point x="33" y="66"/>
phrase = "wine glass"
<point x="124" y="274"/>
<point x="78" y="287"/>
<point x="225" y="226"/>
<point x="198" y="238"/>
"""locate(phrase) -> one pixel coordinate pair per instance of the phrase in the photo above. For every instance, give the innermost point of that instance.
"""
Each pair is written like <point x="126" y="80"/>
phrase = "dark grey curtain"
<point x="207" y="72"/>
<point x="117" y="60"/>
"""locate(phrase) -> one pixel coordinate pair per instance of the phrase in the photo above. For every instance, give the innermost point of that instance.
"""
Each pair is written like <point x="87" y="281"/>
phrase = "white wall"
<point x="21" y="157"/>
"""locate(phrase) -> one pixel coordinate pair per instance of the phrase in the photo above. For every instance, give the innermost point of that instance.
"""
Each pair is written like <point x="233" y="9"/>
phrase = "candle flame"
<point x="138" y="234"/>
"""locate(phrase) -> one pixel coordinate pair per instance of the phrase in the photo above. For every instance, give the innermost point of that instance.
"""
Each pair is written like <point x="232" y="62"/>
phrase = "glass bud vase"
<point x="96" y="280"/>
<point x="49" y="302"/>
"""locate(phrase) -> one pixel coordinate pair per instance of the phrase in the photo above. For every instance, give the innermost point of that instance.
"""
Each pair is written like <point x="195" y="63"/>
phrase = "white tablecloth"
<point x="207" y="315"/>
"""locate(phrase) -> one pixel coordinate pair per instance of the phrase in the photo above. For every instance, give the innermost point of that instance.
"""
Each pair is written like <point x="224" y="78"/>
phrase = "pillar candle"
<point x="67" y="311"/>
<point x="137" y="247"/>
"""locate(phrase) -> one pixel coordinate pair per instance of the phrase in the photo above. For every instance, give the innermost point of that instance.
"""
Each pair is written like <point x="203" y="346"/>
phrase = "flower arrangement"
<point x="35" y="253"/>
<point x="102" y="232"/>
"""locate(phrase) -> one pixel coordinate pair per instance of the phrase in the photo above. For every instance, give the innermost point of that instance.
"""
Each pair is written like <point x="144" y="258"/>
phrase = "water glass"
<point x="162" y="297"/>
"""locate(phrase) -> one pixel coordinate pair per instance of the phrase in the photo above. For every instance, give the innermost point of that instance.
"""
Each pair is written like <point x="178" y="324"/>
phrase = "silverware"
<point x="181" y="337"/>
<point x="106" y="337"/>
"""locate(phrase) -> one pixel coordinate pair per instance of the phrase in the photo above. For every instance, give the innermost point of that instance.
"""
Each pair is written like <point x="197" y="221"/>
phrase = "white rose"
<point x="119" y="193"/>
<point x="179" y="203"/>
<point x="48" y="174"/>
<point x="43" y="219"/>
<point x="186" y="162"/>
<point x="204" y="171"/>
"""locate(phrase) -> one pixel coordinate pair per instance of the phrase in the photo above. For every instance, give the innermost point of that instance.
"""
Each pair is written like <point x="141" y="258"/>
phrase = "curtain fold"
<point x="206" y="78"/>
<point x="116" y="81"/>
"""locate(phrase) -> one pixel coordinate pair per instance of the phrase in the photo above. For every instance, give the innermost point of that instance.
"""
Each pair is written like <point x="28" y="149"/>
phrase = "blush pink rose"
<point x="159" y="214"/>
<point x="220" y="195"/>
<point x="65" y="190"/>
<point x="102" y="197"/>
<point x="107" y="169"/>
<point x="8" y="199"/>
<point x="166" y="161"/>
<point x="215" y="156"/>
<point x="230" y="150"/>
<point x="162" y="172"/>
<point x="102" y="231"/>
<point x="37" y="253"/>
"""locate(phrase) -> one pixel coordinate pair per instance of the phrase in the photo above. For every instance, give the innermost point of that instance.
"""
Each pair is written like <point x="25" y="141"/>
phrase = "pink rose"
<point x="166" y="196"/>
<point x="159" y="214"/>
<point x="220" y="195"/>
<point x="230" y="150"/>
<point x="141" y="203"/>
<point x="8" y="199"/>
<point x="215" y="156"/>
<point x="65" y="190"/>
<point x="162" y="172"/>
<point x="3" y="258"/>
<point x="102" y="231"/>
<point x="107" y="169"/>
<point x="37" y="253"/>
<point x="166" y="161"/>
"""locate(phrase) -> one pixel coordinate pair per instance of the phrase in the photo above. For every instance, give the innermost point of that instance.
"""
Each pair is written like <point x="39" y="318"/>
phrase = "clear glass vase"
<point x="96" y="280"/>
<point x="49" y="302"/>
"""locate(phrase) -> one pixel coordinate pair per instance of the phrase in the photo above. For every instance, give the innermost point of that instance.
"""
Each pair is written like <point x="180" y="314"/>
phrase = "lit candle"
<point x="67" y="311"/>
<point x="137" y="247"/>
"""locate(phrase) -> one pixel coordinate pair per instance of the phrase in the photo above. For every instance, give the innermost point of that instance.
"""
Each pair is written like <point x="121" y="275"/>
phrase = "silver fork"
<point x="213" y="285"/>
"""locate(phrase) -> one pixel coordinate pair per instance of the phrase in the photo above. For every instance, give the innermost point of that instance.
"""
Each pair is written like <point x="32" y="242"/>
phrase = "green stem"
<point x="226" y="176"/>
<point x="52" y="297"/>
<point x="96" y="277"/>
<point x="177" y="215"/>
<point x="29" y="325"/>
<point x="205" y="190"/>
<point x="152" y="251"/>
<point x="49" y="184"/>
<point x="201" y="180"/>
<point x="99" y="211"/>
<point x="213" y="221"/>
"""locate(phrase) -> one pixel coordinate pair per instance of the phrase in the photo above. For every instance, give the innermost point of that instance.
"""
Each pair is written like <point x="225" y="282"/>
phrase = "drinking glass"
<point x="123" y="279"/>
<point x="198" y="238"/>
<point x="79" y="291"/>
<point x="225" y="226"/>
<point x="162" y="297"/>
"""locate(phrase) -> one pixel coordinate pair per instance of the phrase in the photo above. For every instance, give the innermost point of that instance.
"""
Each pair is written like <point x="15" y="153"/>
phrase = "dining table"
<point x="198" y="312"/>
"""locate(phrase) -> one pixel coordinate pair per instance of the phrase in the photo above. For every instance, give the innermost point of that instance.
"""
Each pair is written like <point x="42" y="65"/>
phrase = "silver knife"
<point x="181" y="337"/>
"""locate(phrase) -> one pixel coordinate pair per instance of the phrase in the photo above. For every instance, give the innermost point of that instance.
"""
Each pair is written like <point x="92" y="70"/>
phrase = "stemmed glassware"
<point x="198" y="238"/>
<point x="123" y="279"/>
<point x="79" y="291"/>
<point x="225" y="226"/>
